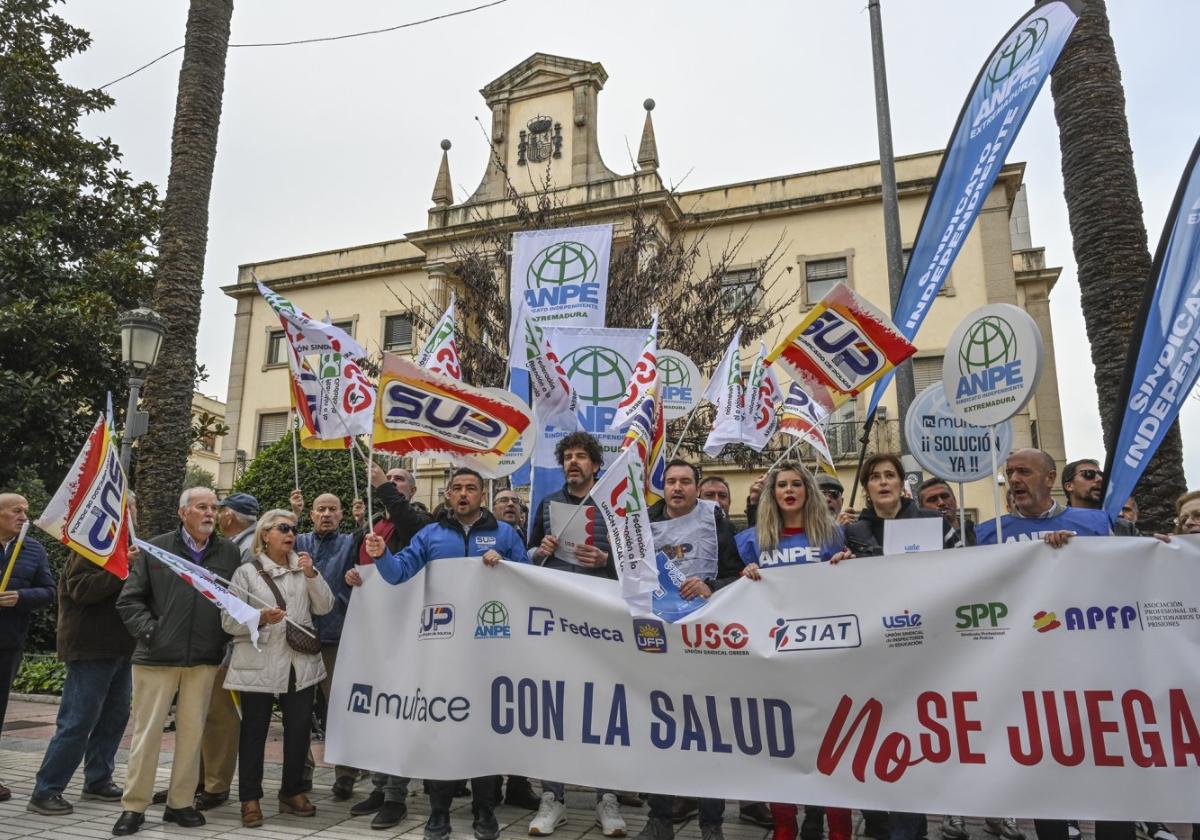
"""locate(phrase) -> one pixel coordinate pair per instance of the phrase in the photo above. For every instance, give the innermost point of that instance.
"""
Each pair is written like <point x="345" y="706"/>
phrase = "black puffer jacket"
<point x="865" y="537"/>
<point x="174" y="624"/>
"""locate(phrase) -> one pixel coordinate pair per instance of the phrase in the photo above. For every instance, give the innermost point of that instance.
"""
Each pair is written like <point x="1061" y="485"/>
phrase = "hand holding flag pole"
<point x="12" y="561"/>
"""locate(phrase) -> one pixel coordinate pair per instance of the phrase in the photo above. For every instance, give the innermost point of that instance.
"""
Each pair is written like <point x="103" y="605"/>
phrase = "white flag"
<point x="308" y="335"/>
<point x="555" y="401"/>
<point x="440" y="353"/>
<point x="725" y="392"/>
<point x="763" y="397"/>
<point x="643" y="382"/>
<point x="621" y="498"/>
<point x="804" y="418"/>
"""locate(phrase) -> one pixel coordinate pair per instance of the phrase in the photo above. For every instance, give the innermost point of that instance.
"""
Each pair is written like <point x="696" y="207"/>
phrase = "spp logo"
<point x="407" y="409"/>
<point x="491" y="622"/>
<point x="360" y="698"/>
<point x="713" y="638"/>
<point x="650" y="635"/>
<point x="437" y="621"/>
<point x="981" y="620"/>
<point x="843" y="349"/>
<point x="902" y="621"/>
<point x="823" y="632"/>
<point x="1093" y="618"/>
<point x="562" y="274"/>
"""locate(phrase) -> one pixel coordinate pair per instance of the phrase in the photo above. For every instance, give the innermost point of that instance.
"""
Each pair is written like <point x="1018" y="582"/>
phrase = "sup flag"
<point x="1000" y="99"/>
<point x="207" y="584"/>
<point x="555" y="400"/>
<point x="725" y="391"/>
<point x="842" y="346"/>
<point x="305" y="333"/>
<point x="1164" y="353"/>
<point x="424" y="413"/>
<point x="89" y="513"/>
<point x="802" y="417"/>
<point x="763" y="396"/>
<point x="440" y="353"/>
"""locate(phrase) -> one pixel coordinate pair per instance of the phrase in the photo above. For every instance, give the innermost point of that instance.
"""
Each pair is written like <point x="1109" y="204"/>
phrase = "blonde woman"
<point x="277" y="575"/>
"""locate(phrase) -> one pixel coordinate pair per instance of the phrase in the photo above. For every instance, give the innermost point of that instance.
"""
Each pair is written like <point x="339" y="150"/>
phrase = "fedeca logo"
<point x="715" y="639"/>
<point x="437" y="622"/>
<point x="491" y="622"/>
<point x="360" y="698"/>
<point x="543" y="622"/>
<point x="650" y="635"/>
<point x="823" y="632"/>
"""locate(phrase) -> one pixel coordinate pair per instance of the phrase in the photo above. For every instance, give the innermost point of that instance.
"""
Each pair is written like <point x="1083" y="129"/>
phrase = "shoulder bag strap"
<point x="274" y="589"/>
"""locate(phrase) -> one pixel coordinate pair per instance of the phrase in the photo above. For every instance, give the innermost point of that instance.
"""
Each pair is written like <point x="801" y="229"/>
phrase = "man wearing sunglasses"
<point x="1083" y="484"/>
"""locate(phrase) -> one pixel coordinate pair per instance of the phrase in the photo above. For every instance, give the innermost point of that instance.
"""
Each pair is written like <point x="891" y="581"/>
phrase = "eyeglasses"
<point x="284" y="528"/>
<point x="1192" y="516"/>
<point x="830" y="493"/>
<point x="1089" y="474"/>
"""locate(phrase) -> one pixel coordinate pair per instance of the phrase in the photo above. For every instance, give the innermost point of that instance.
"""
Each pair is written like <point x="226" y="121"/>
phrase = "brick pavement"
<point x="29" y="726"/>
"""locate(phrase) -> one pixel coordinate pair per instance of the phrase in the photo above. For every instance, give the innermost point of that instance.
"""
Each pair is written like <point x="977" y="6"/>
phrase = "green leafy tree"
<point x="76" y="249"/>
<point x="270" y="478"/>
<point x="195" y="476"/>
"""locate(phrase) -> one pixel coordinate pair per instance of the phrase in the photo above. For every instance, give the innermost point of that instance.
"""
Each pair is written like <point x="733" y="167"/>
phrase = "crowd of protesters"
<point x="141" y="649"/>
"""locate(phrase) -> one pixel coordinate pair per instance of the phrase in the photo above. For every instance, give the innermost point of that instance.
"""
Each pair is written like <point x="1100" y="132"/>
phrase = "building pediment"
<point x="543" y="73"/>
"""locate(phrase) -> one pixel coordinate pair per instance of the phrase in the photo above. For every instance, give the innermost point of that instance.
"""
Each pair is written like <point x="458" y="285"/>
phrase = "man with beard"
<point x="1083" y="484"/>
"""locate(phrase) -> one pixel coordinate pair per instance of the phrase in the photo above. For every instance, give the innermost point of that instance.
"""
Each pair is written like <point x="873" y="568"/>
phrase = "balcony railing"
<point x="844" y="441"/>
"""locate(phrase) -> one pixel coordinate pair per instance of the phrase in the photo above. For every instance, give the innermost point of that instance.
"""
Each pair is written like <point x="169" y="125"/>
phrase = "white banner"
<point x="559" y="278"/>
<point x="996" y="680"/>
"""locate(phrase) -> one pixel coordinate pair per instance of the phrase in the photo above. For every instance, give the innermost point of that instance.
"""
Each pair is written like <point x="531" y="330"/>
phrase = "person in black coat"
<point x="882" y="481"/>
<point x="30" y="587"/>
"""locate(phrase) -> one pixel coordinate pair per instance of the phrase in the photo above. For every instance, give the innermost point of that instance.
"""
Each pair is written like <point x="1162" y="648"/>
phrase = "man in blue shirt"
<point x="1035" y="514"/>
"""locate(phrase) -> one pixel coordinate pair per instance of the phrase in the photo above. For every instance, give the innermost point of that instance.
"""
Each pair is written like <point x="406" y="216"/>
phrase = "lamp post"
<point x="141" y="336"/>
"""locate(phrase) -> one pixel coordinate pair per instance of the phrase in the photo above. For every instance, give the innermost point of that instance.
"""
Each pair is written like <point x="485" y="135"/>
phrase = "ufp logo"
<point x="816" y="633"/>
<point x="437" y="622"/>
<point x="560" y="275"/>
<point x="650" y="635"/>
<point x="360" y="698"/>
<point x="842" y="349"/>
<point x="408" y="409"/>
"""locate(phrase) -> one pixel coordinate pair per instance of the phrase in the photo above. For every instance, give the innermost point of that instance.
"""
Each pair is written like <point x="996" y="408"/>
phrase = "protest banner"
<point x="977" y="681"/>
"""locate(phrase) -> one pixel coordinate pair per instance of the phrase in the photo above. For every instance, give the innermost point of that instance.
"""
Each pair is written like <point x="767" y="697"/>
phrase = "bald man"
<point x="333" y="554"/>
<point x="30" y="587"/>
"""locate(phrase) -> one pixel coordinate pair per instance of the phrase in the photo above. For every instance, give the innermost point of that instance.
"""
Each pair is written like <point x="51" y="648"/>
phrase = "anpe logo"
<point x="360" y="698"/>
<point x="543" y="622"/>
<point x="822" y="632"/>
<point x="600" y="376"/>
<point x="981" y="621"/>
<point x="650" y="635"/>
<point x="713" y="638"/>
<point x="492" y="621"/>
<point x="1021" y="48"/>
<point x="563" y="274"/>
<point x="437" y="622"/>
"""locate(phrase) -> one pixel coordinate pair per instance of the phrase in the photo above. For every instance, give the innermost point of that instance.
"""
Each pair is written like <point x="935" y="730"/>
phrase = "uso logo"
<point x="713" y="638"/>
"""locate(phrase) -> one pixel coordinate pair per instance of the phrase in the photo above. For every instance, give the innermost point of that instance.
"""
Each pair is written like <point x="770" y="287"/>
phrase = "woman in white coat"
<point x="276" y="668"/>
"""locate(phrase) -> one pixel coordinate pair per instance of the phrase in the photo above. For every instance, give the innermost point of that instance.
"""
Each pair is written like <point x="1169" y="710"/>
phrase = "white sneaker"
<point x="551" y="814"/>
<point x="608" y="816"/>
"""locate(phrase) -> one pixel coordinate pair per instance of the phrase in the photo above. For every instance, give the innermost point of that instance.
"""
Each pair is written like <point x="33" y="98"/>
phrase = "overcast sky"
<point x="331" y="145"/>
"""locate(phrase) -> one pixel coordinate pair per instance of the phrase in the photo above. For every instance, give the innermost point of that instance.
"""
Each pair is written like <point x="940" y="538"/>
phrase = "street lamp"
<point x="141" y="336"/>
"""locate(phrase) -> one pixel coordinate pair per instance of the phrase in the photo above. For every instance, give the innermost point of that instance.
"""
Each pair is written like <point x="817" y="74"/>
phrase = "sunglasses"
<point x="284" y="528"/>
<point x="832" y="494"/>
<point x="1090" y="475"/>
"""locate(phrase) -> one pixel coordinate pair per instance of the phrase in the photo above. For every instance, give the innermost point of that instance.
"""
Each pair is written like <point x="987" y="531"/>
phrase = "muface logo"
<point x="981" y="621"/>
<point x="408" y="409"/>
<point x="562" y="274"/>
<point x="360" y="698"/>
<point x="713" y="638"/>
<point x="437" y="621"/>
<point x="822" y="632"/>
<point x="543" y="622"/>
<point x="491" y="622"/>
<point x="842" y="349"/>
<point x="650" y="635"/>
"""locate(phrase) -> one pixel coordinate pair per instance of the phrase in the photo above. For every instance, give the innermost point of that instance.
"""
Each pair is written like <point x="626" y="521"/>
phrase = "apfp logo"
<point x="492" y="621"/>
<point x="600" y="376"/>
<point x="437" y="622"/>
<point x="562" y="274"/>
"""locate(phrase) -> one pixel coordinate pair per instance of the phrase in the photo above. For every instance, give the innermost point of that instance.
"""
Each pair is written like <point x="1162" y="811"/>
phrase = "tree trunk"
<point x="179" y="278"/>
<point x="1109" y="236"/>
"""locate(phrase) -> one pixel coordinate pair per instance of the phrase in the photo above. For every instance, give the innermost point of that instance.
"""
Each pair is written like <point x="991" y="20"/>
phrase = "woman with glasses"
<point x="793" y="526"/>
<point x="1187" y="513"/>
<point x="282" y="665"/>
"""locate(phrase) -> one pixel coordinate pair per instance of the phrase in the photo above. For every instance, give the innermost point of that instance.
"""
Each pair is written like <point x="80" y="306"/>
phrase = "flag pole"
<point x="12" y="561"/>
<point x="784" y="456"/>
<point x="370" y="463"/>
<point x="683" y="434"/>
<point x="353" y="469"/>
<point x="295" y="448"/>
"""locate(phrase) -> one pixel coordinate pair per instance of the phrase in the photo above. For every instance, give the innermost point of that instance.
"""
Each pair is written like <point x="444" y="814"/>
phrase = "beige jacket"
<point x="267" y="669"/>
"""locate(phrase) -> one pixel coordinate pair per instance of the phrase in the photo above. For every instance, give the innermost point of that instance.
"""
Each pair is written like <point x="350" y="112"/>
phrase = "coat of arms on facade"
<point x="540" y="142"/>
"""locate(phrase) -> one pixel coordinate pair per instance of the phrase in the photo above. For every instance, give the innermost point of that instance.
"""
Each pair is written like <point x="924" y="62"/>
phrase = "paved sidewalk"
<point x="29" y="726"/>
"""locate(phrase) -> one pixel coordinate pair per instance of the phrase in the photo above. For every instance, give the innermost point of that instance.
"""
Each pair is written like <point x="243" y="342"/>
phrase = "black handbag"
<point x="297" y="639"/>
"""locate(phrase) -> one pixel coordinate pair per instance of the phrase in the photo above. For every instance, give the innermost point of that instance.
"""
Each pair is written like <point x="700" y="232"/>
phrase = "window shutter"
<point x="271" y="427"/>
<point x="927" y="370"/>
<point x="398" y="332"/>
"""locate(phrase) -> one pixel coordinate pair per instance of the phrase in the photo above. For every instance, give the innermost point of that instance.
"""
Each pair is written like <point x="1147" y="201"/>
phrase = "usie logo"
<point x="360" y="698"/>
<point x="437" y="622"/>
<point x="902" y="620"/>
<point x="816" y="633"/>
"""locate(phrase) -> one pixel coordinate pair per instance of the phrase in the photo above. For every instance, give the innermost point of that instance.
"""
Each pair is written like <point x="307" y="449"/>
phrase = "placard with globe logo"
<point x="560" y="278"/>
<point x="992" y="365"/>
<point x="680" y="382"/>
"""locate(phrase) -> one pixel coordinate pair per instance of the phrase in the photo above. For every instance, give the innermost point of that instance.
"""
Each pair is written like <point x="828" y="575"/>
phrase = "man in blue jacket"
<point x="30" y="587"/>
<point x="1036" y="516"/>
<point x="463" y="529"/>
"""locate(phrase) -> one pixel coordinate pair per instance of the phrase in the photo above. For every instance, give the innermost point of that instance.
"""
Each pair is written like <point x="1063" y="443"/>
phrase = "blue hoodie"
<point x="445" y="537"/>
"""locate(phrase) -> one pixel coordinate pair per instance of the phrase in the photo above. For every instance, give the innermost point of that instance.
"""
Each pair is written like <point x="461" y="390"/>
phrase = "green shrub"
<point x="40" y="675"/>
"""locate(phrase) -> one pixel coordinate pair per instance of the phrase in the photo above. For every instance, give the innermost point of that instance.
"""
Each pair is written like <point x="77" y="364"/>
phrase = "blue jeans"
<point x="91" y="721"/>
<point x="711" y="814"/>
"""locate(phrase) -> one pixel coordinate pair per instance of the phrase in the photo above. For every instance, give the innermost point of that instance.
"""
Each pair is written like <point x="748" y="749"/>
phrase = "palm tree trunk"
<point x="179" y="278"/>
<point x="1109" y="235"/>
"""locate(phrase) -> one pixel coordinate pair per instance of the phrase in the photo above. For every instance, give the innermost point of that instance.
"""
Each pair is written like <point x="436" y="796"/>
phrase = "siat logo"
<point x="560" y="275"/>
<point x="987" y="358"/>
<point x="600" y="376"/>
<point x="842" y="350"/>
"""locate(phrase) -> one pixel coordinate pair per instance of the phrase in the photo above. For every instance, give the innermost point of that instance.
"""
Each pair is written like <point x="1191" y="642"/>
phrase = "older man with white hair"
<point x="180" y="644"/>
<point x="30" y="587"/>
